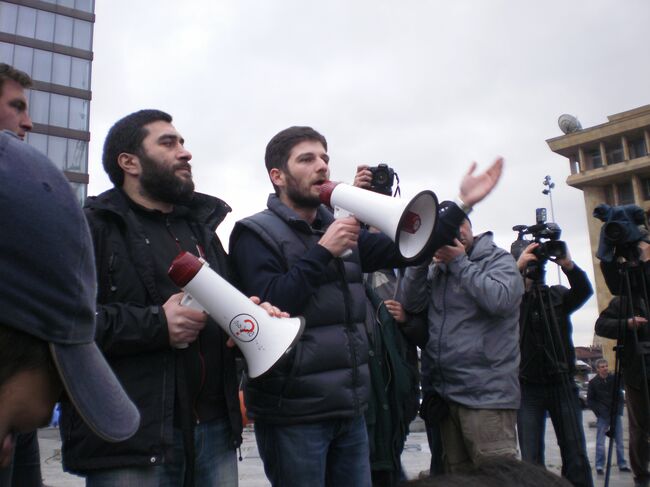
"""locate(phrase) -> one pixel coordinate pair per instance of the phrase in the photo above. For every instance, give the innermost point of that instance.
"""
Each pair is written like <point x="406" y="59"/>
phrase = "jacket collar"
<point x="205" y="209"/>
<point x="323" y="219"/>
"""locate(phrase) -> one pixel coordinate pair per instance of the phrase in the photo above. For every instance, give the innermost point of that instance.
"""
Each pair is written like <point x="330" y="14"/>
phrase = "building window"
<point x="609" y="195"/>
<point x="67" y="154"/>
<point x="638" y="148"/>
<point x="645" y="188"/>
<point x="46" y="26"/>
<point x="614" y="153"/>
<point x="58" y="110"/>
<point x="625" y="193"/>
<point x="47" y="66"/>
<point x="593" y="159"/>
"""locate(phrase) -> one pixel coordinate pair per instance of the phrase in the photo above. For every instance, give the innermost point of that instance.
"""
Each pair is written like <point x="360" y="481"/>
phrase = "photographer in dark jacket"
<point x="636" y="349"/>
<point x="173" y="361"/>
<point x="548" y="366"/>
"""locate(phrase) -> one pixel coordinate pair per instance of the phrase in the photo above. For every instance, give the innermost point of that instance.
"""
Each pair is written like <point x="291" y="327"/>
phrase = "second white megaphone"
<point x="262" y="339"/>
<point x="409" y="223"/>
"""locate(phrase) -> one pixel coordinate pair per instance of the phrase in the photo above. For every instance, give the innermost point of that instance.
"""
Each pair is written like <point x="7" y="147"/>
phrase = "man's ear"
<point x="129" y="163"/>
<point x="277" y="177"/>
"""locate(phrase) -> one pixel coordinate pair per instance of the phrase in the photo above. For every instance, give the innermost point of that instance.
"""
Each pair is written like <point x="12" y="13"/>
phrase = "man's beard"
<point x="299" y="199"/>
<point x="162" y="184"/>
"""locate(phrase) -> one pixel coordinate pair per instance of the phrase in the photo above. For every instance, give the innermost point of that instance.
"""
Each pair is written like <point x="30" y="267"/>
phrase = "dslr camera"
<point x="383" y="178"/>
<point x="547" y="235"/>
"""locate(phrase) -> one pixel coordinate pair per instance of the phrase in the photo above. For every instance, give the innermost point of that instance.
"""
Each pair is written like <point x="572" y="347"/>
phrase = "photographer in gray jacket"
<point x="471" y="360"/>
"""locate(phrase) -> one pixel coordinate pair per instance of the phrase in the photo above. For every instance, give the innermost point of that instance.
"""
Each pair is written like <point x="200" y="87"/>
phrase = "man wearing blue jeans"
<point x="600" y="396"/>
<point x="308" y="409"/>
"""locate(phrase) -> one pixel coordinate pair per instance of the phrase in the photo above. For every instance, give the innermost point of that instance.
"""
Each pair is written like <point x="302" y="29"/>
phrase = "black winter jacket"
<point x="132" y="333"/>
<point x="636" y="343"/>
<point x="543" y="352"/>
<point x="326" y="375"/>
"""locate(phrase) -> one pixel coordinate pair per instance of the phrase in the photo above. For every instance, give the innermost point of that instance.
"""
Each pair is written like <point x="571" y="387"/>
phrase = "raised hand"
<point x="473" y="188"/>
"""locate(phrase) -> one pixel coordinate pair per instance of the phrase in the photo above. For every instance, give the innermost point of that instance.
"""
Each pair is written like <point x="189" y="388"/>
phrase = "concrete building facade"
<point x="51" y="40"/>
<point x="610" y="163"/>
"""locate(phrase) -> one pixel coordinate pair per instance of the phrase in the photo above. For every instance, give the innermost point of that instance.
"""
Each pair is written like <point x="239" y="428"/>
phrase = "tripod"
<point x="633" y="301"/>
<point x="546" y="367"/>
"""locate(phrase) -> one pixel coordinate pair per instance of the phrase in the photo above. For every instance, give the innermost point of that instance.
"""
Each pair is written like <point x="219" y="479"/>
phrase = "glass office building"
<point x="51" y="40"/>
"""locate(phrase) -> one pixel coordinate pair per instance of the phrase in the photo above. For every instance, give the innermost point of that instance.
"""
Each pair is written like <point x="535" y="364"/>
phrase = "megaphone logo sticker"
<point x="244" y="327"/>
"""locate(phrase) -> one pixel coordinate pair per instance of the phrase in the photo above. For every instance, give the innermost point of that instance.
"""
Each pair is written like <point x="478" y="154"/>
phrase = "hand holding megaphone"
<point x="341" y="235"/>
<point x="185" y="319"/>
<point x="409" y="223"/>
<point x="262" y="339"/>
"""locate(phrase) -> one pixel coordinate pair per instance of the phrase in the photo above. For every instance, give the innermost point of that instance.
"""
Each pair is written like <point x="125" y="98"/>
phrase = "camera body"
<point x="383" y="178"/>
<point x="623" y="228"/>
<point x="547" y="235"/>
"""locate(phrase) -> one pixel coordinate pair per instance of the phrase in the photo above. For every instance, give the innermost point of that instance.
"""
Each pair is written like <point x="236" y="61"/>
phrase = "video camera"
<point x="383" y="178"/>
<point x="624" y="228"/>
<point x="547" y="235"/>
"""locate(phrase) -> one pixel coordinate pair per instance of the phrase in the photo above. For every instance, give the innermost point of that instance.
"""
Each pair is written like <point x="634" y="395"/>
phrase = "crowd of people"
<point x="149" y="388"/>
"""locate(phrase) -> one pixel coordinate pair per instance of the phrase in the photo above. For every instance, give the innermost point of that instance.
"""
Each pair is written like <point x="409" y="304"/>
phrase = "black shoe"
<point x="624" y="468"/>
<point x="599" y="471"/>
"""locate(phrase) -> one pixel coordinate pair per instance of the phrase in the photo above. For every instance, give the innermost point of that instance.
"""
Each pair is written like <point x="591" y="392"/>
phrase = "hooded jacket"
<point x="472" y="356"/>
<point x="132" y="333"/>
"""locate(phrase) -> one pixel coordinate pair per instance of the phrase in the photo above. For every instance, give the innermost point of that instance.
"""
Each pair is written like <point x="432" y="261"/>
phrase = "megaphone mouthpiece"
<point x="326" y="190"/>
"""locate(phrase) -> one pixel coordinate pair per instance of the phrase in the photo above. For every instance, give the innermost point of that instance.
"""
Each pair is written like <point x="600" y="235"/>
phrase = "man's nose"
<point x="185" y="154"/>
<point x="26" y="123"/>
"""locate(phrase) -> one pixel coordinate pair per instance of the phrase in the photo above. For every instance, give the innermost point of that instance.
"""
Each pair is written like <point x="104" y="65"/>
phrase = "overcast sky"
<point x="424" y="86"/>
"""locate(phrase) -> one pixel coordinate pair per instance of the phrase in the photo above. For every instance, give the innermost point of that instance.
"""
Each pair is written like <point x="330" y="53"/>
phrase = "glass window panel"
<point x="80" y="191"/>
<point x="77" y="155"/>
<point x="49" y="1"/>
<point x="39" y="106"/>
<point x="61" y="71"/>
<point x="6" y="53"/>
<point x="78" y="114"/>
<point x="42" y="66"/>
<point x="609" y="195"/>
<point x="85" y="5"/>
<point x="625" y="193"/>
<point x="45" y="26"/>
<point x="66" y="3"/>
<point x="56" y="150"/>
<point x="37" y="141"/>
<point x="637" y="148"/>
<point x="23" y="57"/>
<point x="80" y="73"/>
<point x="26" y="22"/>
<point x="645" y="186"/>
<point x="595" y="159"/>
<point x="63" y="30"/>
<point x="82" y="34"/>
<point x="8" y="17"/>
<point x="614" y="153"/>
<point x="59" y="110"/>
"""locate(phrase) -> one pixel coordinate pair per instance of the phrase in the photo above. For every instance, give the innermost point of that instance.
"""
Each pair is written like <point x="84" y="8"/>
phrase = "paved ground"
<point x="415" y="457"/>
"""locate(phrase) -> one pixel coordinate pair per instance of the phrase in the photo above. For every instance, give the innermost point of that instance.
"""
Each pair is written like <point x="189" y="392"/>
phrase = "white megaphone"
<point x="262" y="339"/>
<point x="410" y="224"/>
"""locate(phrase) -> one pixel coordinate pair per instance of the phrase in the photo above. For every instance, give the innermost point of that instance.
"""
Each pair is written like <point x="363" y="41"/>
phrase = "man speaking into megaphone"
<point x="308" y="410"/>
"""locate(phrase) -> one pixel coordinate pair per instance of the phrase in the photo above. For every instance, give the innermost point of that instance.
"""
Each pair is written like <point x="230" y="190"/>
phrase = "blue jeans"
<point x="332" y="453"/>
<point x="216" y="463"/>
<point x="563" y="407"/>
<point x="602" y="425"/>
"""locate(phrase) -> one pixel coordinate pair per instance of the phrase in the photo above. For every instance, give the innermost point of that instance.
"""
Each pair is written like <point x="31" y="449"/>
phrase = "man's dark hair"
<point x="21" y="351"/>
<point x="279" y="147"/>
<point x="126" y="135"/>
<point x="9" y="72"/>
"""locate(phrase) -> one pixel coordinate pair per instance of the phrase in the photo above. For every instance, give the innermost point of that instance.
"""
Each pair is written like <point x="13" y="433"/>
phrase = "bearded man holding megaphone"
<point x="308" y="409"/>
